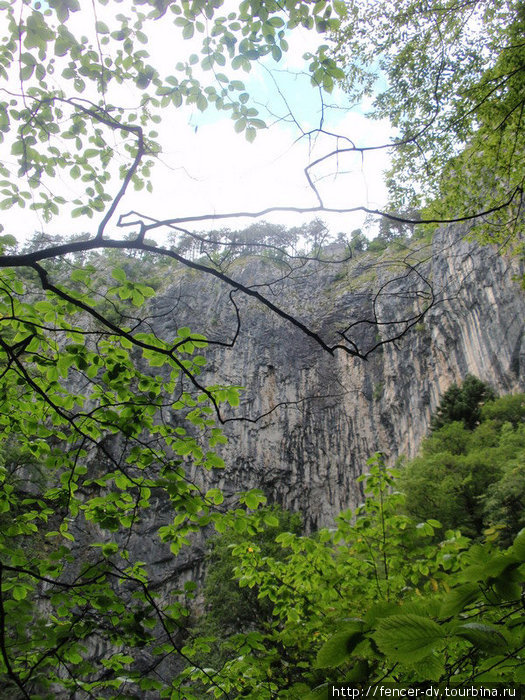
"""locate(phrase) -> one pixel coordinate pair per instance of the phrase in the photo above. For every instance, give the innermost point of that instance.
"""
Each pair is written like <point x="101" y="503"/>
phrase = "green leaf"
<point x="271" y="520"/>
<point x="109" y="549"/>
<point x="408" y="638"/>
<point x="340" y="7"/>
<point x="253" y="498"/>
<point x="338" y="648"/>
<point x="122" y="482"/>
<point x="240" y="124"/>
<point x="276" y="53"/>
<point x="74" y="657"/>
<point x="518" y="546"/>
<point x="188" y="31"/>
<point x="215" y="496"/>
<point x="233" y="397"/>
<point x="359" y="672"/>
<point x="319" y="693"/>
<point x="431" y="667"/>
<point x="101" y="27"/>
<point x="509" y="585"/>
<point x="19" y="592"/>
<point x="434" y="523"/>
<point x="459" y="598"/>
<point x="483" y="636"/>
<point x="118" y="274"/>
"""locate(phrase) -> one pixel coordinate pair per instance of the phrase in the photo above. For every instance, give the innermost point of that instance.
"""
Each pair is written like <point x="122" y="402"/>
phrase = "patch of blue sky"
<point x="285" y="97"/>
<point x="205" y="167"/>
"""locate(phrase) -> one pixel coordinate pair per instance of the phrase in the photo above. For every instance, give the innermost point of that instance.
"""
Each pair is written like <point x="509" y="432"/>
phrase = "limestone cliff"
<point x="331" y="412"/>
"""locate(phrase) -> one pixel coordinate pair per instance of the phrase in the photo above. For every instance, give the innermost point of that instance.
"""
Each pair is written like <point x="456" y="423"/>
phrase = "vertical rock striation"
<point x="318" y="416"/>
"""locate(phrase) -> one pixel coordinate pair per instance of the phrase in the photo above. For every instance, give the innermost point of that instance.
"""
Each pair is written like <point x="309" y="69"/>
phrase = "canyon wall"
<point x="309" y="419"/>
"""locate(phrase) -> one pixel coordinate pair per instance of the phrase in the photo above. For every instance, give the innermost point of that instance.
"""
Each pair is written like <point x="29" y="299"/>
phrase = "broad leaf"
<point x="408" y="638"/>
<point x="459" y="598"/>
<point x="338" y="648"/>
<point x="483" y="636"/>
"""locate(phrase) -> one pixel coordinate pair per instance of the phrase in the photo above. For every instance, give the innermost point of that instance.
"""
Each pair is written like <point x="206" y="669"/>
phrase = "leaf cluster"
<point x="376" y="599"/>
<point x="99" y="423"/>
<point x="449" y="78"/>
<point x="62" y="118"/>
<point x="463" y="403"/>
<point x="472" y="477"/>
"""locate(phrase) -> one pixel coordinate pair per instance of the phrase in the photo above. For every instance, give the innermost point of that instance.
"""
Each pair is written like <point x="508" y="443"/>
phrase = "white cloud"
<point x="211" y="169"/>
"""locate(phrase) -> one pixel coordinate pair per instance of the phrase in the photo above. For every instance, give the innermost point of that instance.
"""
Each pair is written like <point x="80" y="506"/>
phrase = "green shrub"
<point x="463" y="403"/>
<point x="509" y="408"/>
<point x="473" y="479"/>
<point x="230" y="610"/>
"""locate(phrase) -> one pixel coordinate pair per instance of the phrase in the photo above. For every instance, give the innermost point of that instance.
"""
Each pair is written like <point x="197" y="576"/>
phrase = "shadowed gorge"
<point x="259" y="462"/>
<point x="323" y="415"/>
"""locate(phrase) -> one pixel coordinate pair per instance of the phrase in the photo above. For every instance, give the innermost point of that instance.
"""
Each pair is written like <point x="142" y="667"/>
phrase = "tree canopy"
<point x="62" y="112"/>
<point x="449" y="77"/>
<point x="382" y="597"/>
<point x="470" y="474"/>
<point x="102" y="418"/>
<point x="463" y="403"/>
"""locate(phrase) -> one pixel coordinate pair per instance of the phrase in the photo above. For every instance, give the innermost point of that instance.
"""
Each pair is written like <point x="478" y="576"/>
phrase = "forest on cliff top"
<point x="102" y="418"/>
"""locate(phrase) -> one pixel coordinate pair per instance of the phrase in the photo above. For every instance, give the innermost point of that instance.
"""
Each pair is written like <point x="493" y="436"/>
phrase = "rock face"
<point x="310" y="418"/>
<point x="319" y="416"/>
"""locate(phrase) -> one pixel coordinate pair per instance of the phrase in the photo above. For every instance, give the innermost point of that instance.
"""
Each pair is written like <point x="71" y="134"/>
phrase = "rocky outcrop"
<point x="309" y="419"/>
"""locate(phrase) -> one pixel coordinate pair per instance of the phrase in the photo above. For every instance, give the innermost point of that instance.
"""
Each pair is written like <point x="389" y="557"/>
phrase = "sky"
<point x="206" y="168"/>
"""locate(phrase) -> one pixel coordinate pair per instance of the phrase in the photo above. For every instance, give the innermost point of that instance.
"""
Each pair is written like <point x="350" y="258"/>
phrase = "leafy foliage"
<point x="463" y="403"/>
<point x="377" y="599"/>
<point x="67" y="388"/>
<point x="472" y="478"/>
<point x="101" y="419"/>
<point x="450" y="81"/>
<point x="230" y="611"/>
<point x="56" y="130"/>
<point x="228" y="606"/>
